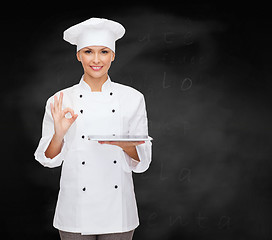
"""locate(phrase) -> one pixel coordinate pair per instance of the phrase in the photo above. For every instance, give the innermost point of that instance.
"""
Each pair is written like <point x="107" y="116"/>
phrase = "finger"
<point x="60" y="101"/>
<point x="52" y="109"/>
<point x="56" y="103"/>
<point x="136" y="143"/>
<point x="107" y="142"/>
<point x="73" y="118"/>
<point x="70" y="110"/>
<point x="131" y="143"/>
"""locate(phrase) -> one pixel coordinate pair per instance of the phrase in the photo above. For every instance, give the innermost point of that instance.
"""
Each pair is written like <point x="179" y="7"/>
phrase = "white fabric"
<point x="94" y="32"/>
<point x="101" y="208"/>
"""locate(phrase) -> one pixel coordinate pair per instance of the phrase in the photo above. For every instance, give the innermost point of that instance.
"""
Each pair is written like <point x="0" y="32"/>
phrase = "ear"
<point x="112" y="56"/>
<point x="78" y="56"/>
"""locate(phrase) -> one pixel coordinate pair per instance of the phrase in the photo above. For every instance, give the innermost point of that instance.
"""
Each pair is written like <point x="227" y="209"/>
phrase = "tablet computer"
<point x="119" y="137"/>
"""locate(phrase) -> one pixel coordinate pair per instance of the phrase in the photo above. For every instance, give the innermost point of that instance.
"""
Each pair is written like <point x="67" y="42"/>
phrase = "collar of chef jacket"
<point x="105" y="87"/>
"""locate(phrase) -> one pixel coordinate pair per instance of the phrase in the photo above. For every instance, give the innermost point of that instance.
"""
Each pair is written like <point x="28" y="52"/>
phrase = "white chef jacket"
<point x="96" y="187"/>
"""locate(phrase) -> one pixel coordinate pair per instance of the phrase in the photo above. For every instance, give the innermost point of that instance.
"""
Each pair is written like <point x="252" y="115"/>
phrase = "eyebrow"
<point x="99" y="49"/>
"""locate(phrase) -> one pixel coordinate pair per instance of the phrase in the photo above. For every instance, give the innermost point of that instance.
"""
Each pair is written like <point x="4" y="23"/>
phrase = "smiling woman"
<point x="96" y="196"/>
<point x="96" y="61"/>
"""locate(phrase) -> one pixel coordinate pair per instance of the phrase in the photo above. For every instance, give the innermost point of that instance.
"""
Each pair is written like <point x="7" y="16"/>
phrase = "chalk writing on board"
<point x="185" y="175"/>
<point x="144" y="38"/>
<point x="224" y="222"/>
<point x="193" y="60"/>
<point x="178" y="219"/>
<point x="185" y="83"/>
<point x="188" y="38"/>
<point x="171" y="37"/>
<point x="162" y="178"/>
<point x="202" y="222"/>
<point x="152" y="219"/>
<point x="164" y="84"/>
<point x="168" y="37"/>
<point x="200" y="219"/>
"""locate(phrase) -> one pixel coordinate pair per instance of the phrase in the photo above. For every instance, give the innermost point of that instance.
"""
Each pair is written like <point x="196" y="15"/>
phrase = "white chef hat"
<point x="94" y="32"/>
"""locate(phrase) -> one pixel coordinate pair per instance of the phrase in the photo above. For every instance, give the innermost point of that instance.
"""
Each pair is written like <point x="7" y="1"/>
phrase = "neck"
<point x="95" y="83"/>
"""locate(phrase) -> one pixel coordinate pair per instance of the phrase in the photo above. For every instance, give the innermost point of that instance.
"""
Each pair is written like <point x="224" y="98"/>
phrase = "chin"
<point x="96" y="75"/>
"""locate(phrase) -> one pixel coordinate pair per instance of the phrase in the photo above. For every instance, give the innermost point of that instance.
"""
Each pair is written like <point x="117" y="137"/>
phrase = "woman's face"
<point x="96" y="60"/>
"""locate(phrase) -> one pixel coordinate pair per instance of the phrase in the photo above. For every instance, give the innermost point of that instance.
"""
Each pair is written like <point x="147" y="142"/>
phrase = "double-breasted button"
<point x="83" y="163"/>
<point x="111" y="93"/>
<point x="114" y="161"/>
<point x="80" y="96"/>
<point x="113" y="110"/>
<point x="83" y="136"/>
<point x="81" y="111"/>
<point x="84" y="189"/>
<point x="116" y="186"/>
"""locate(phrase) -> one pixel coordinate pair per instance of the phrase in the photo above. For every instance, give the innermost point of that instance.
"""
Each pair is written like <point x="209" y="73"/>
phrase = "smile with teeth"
<point x="96" y="68"/>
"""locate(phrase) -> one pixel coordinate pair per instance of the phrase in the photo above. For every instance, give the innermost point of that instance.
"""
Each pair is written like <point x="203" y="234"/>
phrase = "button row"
<point x="81" y="111"/>
<point x="84" y="189"/>
<point x="83" y="162"/>
<point x="111" y="93"/>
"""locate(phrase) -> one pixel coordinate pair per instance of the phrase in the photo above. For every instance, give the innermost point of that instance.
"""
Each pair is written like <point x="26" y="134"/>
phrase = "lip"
<point x="96" y="68"/>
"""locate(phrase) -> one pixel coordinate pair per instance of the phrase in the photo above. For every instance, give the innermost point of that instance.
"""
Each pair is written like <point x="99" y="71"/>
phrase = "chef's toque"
<point x="94" y="32"/>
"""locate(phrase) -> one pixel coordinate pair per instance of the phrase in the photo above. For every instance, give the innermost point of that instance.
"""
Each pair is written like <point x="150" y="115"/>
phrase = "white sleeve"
<point x="47" y="134"/>
<point x="139" y="126"/>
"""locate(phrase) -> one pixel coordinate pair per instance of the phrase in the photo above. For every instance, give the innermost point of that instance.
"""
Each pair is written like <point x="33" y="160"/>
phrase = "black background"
<point x="205" y="71"/>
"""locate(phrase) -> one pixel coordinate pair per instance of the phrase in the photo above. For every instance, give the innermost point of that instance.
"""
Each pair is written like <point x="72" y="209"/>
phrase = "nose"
<point x="96" y="59"/>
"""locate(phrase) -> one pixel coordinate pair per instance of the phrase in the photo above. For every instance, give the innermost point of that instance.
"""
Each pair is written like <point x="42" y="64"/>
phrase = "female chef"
<point x="96" y="198"/>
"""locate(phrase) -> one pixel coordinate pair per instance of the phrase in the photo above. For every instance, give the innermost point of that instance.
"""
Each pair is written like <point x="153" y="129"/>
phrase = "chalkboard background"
<point x="205" y="71"/>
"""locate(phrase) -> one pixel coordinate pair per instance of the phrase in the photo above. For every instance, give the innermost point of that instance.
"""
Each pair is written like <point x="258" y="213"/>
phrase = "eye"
<point x="87" y="51"/>
<point x="104" y="51"/>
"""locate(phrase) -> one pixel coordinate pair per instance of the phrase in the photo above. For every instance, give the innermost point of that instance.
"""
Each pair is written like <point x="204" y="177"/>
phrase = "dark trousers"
<point x="110" y="236"/>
